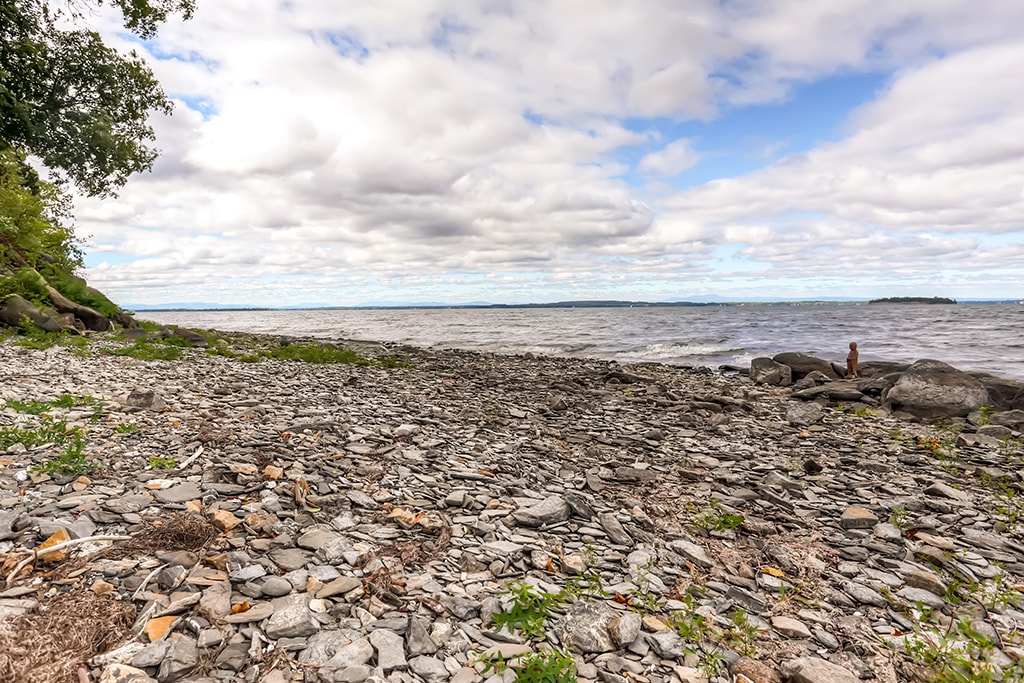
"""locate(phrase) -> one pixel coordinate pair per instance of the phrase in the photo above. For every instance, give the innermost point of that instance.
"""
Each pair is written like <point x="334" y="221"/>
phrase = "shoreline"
<point x="382" y="511"/>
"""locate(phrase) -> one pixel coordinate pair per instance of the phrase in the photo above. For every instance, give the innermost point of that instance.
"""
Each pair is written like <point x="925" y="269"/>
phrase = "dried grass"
<point x="177" y="532"/>
<point x="49" y="644"/>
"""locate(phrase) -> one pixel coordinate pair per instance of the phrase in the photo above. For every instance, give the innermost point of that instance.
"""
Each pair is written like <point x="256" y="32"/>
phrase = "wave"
<point x="662" y="351"/>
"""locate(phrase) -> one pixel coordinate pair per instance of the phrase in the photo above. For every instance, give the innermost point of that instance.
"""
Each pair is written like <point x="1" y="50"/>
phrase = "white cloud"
<point x="427" y="139"/>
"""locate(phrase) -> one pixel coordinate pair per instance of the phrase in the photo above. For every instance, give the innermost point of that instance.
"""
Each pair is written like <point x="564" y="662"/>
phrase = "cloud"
<point x="333" y="147"/>
<point x="672" y="159"/>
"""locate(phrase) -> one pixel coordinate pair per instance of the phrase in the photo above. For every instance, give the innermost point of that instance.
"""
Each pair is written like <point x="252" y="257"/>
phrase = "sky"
<point x="344" y="153"/>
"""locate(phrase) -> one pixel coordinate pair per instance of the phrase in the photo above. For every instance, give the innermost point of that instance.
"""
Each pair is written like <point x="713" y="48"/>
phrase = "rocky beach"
<point x="427" y="516"/>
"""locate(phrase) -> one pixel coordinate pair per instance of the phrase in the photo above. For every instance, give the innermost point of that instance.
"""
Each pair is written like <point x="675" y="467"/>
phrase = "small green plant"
<point x="741" y="634"/>
<point x="157" y="462"/>
<point x="960" y="654"/>
<point x="49" y="431"/>
<point x="72" y="461"/>
<point x="126" y="428"/>
<point x="35" y="407"/>
<point x="143" y="350"/>
<point x="529" y="609"/>
<point x="547" y="666"/>
<point x="901" y="517"/>
<point x="31" y="337"/>
<point x="316" y="353"/>
<point x="985" y="418"/>
<point x="864" y="412"/>
<point x="715" y="517"/>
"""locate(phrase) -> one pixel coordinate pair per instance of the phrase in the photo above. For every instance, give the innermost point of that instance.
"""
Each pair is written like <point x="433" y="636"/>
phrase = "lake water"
<point x="986" y="337"/>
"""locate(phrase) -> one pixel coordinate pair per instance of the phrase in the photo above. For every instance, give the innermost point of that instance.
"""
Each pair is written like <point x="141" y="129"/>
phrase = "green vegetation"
<point x="125" y="428"/>
<point x="547" y="666"/>
<point x="73" y="102"/>
<point x="49" y="431"/>
<point x="960" y="654"/>
<point x="82" y="109"/>
<point x="713" y="518"/>
<point x="157" y="462"/>
<point x="35" y="407"/>
<point x="143" y="350"/>
<point x="71" y="461"/>
<point x="529" y="610"/>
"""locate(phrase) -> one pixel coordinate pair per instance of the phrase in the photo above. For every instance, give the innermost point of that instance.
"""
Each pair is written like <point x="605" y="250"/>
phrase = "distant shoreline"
<point x="586" y="304"/>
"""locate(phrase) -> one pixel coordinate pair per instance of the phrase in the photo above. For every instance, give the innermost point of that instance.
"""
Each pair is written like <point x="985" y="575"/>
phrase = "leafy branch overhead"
<point x="71" y="101"/>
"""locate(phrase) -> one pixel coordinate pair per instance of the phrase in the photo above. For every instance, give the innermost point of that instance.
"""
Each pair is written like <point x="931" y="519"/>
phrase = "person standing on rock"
<point x="851" y="361"/>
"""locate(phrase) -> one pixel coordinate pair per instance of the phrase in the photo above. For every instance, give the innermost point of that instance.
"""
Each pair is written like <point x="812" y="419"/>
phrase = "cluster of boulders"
<point x="60" y="313"/>
<point x="926" y="389"/>
<point x="365" y="523"/>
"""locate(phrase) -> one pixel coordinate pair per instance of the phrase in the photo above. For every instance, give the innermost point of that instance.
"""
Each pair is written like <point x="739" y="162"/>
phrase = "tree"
<point x="71" y="101"/>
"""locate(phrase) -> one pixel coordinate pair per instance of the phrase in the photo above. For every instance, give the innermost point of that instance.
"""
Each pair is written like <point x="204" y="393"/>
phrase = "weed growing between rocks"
<point x="143" y="350"/>
<point x="529" y="609"/>
<point x="714" y="518"/>
<point x="71" y="461"/>
<point x="36" y="407"/>
<point x="49" y="431"/>
<point x="547" y="666"/>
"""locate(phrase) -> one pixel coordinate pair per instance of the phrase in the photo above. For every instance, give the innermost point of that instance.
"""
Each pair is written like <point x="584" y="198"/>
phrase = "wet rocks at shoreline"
<point x="345" y="522"/>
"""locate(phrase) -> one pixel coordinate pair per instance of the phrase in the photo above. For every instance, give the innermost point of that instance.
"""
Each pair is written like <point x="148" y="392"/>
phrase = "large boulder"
<point x="932" y="389"/>
<point x="15" y="309"/>
<point x="92" y="320"/>
<point x="766" y="371"/>
<point x="879" y="368"/>
<point x="801" y="365"/>
<point x="1003" y="394"/>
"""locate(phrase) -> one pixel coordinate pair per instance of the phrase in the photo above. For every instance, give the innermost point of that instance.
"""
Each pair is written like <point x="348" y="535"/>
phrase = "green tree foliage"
<point x="73" y="102"/>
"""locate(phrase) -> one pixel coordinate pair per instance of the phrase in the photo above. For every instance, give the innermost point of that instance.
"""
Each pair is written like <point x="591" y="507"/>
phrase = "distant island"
<point x="913" y="300"/>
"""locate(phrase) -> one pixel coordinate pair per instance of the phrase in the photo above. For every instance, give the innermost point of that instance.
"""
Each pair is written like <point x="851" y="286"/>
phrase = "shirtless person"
<point x="851" y="360"/>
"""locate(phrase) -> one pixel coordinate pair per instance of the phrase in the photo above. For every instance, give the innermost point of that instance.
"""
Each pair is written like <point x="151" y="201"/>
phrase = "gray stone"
<point x="390" y="650"/>
<point x="322" y="646"/>
<point x="551" y="510"/>
<point x="691" y="552"/>
<point x="791" y="628"/>
<point x="584" y="628"/>
<point x="291" y="618"/>
<point x="419" y="640"/>
<point x="942" y="490"/>
<point x="275" y="587"/>
<point x="614" y="529"/>
<point x="290" y="559"/>
<point x="182" y="493"/>
<point x="857" y="518"/>
<point x="430" y="669"/>
<point x="931" y="389"/>
<point x="624" y="628"/>
<point x="122" y="673"/>
<point x="863" y="594"/>
<point x="258" y="611"/>
<point x="216" y="600"/>
<point x="182" y="656"/>
<point x="922" y="578"/>
<point x="339" y="586"/>
<point x="814" y="670"/>
<point x="667" y="644"/>
<point x="357" y="653"/>
<point x="147" y="399"/>
<point x="920" y="595"/>
<point x="767" y="371"/>
<point x="151" y="655"/>
<point x="804" y="414"/>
